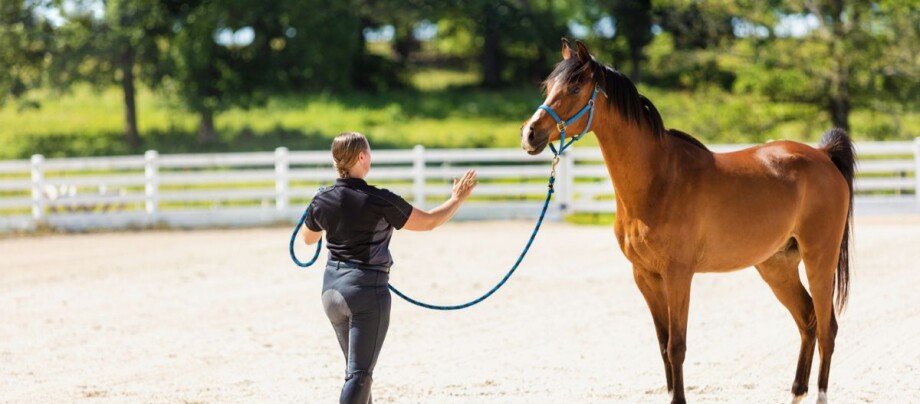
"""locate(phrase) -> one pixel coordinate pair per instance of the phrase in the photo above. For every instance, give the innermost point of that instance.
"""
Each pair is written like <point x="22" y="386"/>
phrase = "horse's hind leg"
<point x="820" y="266"/>
<point x="652" y="289"/>
<point x="781" y="272"/>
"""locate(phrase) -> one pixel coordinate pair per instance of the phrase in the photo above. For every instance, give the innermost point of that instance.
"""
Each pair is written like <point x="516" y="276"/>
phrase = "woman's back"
<point x="358" y="220"/>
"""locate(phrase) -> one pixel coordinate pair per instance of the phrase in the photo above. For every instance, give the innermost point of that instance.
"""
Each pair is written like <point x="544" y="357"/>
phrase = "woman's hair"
<point x="345" y="149"/>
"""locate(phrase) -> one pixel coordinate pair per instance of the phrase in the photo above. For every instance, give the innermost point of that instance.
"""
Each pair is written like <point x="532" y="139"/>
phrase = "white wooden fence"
<point x="230" y="189"/>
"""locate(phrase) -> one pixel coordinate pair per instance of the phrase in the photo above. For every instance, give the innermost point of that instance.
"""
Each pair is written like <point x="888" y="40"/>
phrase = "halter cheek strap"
<point x="561" y="124"/>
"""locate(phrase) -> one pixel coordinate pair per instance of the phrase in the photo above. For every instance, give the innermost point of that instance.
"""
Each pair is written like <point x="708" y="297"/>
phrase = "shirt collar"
<point x="351" y="182"/>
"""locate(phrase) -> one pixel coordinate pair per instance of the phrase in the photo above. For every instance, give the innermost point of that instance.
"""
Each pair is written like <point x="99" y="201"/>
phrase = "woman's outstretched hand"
<point x="463" y="187"/>
<point x="427" y="220"/>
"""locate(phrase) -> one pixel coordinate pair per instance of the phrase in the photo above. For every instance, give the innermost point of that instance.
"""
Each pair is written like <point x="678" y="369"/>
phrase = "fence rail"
<point x="264" y="187"/>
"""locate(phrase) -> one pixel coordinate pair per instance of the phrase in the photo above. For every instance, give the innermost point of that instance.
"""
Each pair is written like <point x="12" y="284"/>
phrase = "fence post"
<point x="151" y="182"/>
<point x="282" y="179"/>
<point x="568" y="183"/>
<point x="917" y="171"/>
<point x="418" y="175"/>
<point x="38" y="183"/>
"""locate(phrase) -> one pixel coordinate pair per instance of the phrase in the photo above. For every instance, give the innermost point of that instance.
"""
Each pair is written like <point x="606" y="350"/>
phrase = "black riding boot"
<point x="357" y="389"/>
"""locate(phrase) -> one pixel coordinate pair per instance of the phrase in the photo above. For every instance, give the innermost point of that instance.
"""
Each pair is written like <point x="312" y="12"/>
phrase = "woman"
<point x="358" y="220"/>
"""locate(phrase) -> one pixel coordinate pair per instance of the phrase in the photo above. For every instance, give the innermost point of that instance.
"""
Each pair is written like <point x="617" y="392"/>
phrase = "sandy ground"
<point x="223" y="316"/>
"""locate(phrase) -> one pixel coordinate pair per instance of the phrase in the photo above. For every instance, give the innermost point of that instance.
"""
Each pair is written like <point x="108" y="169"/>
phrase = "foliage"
<point x="671" y="67"/>
<point x="860" y="54"/>
<point x="298" y="71"/>
<point x="87" y="122"/>
<point x="634" y="23"/>
<point x="286" y="52"/>
<point x="108" y="49"/>
<point x="88" y="48"/>
<point x="694" y="25"/>
<point x="25" y="40"/>
<point x="511" y="40"/>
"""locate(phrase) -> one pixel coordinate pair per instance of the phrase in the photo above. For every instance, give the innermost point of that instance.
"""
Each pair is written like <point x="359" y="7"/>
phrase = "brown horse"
<point x="682" y="209"/>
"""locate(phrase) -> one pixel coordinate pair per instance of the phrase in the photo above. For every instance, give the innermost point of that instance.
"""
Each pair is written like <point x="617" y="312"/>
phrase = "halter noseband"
<point x="561" y="125"/>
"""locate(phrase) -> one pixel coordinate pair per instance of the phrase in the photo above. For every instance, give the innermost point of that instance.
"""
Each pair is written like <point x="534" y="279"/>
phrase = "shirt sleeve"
<point x="311" y="221"/>
<point x="395" y="209"/>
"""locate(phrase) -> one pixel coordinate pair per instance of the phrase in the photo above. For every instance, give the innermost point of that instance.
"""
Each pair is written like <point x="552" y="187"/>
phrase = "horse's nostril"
<point x="530" y="135"/>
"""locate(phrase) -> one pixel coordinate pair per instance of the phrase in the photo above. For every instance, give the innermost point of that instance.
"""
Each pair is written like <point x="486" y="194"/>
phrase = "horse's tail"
<point x="838" y="145"/>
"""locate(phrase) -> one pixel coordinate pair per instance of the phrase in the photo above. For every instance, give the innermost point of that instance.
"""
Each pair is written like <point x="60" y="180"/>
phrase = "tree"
<point x="855" y="53"/>
<point x="376" y="72"/>
<point x="634" y="22"/>
<point x="235" y="53"/>
<point x="506" y="38"/>
<point x="695" y="25"/>
<point x="111" y="49"/>
<point x="25" y="42"/>
<point x="838" y="32"/>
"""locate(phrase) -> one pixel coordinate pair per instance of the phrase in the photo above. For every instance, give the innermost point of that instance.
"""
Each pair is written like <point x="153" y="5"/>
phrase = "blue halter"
<point x="561" y="125"/>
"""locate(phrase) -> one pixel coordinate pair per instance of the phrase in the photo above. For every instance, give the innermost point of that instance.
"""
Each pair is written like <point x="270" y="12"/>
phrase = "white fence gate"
<point x="232" y="189"/>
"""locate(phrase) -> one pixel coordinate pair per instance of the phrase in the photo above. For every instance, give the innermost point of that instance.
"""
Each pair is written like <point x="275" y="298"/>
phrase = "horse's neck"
<point x="634" y="159"/>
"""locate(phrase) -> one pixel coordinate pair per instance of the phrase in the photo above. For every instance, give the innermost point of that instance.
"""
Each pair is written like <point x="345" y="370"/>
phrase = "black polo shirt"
<point x="358" y="220"/>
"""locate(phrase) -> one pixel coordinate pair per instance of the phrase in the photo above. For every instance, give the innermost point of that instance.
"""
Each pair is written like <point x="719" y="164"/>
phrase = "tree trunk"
<point x="538" y="72"/>
<point x="635" y="58"/>
<point x="840" y="112"/>
<point x="634" y="23"/>
<point x="359" y="78"/>
<point x="404" y="42"/>
<point x="132" y="137"/>
<point x="491" y="59"/>
<point x="840" y="78"/>
<point x="206" y="132"/>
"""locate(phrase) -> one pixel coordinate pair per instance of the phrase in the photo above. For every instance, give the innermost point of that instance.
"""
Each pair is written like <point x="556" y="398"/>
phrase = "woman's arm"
<point x="309" y="237"/>
<point x="422" y="220"/>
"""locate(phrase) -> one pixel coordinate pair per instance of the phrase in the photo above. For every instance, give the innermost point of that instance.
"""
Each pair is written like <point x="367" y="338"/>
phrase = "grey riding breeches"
<point x="357" y="302"/>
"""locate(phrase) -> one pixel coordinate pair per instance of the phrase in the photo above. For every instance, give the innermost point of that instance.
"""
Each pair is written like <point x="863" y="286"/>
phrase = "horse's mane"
<point x="622" y="94"/>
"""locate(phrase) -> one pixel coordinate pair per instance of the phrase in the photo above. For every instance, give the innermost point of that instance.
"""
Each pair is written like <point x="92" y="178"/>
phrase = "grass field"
<point x="442" y="109"/>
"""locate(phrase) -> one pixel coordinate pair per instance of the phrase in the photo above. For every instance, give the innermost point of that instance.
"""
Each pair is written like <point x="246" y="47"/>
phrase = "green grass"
<point x="441" y="79"/>
<point x="443" y="109"/>
<point x="590" y="218"/>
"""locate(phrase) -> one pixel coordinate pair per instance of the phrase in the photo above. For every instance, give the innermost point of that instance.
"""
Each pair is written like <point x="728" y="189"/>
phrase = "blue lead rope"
<point x="319" y="244"/>
<point x="549" y="196"/>
<point x="561" y="125"/>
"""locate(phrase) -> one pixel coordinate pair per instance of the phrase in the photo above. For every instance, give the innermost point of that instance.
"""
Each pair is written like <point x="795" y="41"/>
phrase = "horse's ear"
<point x="567" y="50"/>
<point x="582" y="51"/>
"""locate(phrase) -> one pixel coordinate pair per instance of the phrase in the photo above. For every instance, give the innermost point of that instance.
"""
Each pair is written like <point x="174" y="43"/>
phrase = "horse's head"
<point x="568" y="89"/>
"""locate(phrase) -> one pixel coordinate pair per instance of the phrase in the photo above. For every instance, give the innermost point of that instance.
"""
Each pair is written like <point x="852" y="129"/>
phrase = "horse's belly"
<point x="736" y="248"/>
<point x="748" y="225"/>
<point x="736" y="265"/>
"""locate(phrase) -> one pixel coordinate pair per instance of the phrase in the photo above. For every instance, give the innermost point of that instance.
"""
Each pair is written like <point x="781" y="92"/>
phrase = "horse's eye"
<point x="576" y="90"/>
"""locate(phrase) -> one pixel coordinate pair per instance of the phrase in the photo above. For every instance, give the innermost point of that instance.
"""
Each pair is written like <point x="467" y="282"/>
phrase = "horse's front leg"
<point x="652" y="288"/>
<point x="677" y="282"/>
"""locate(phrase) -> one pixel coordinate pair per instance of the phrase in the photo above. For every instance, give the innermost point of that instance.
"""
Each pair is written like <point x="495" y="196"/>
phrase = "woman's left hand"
<point x="464" y="186"/>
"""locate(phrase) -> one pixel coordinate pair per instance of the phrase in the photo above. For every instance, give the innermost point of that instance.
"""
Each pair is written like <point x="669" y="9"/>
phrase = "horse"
<point x="683" y="209"/>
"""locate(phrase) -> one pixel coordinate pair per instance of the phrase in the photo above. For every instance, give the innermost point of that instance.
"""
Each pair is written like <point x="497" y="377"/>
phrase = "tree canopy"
<point x="207" y="56"/>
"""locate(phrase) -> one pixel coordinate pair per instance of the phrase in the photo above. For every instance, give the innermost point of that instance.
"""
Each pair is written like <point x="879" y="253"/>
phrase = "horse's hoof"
<point x="798" y="399"/>
<point x="822" y="397"/>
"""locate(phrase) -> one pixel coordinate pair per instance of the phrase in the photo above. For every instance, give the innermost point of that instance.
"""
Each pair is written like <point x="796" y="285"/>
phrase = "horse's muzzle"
<point x="531" y="141"/>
